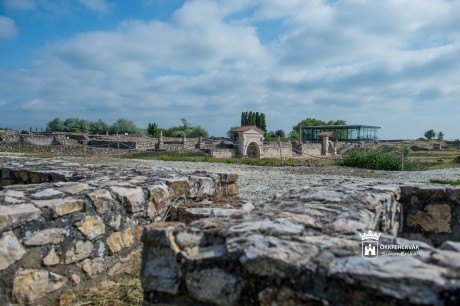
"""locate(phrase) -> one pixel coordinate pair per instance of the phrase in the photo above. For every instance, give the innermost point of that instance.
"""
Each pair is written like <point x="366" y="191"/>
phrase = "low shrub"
<point x="369" y="159"/>
<point x="446" y="182"/>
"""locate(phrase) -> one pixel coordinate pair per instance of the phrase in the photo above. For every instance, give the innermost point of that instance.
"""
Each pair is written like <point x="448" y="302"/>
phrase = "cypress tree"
<point x="243" y="119"/>
<point x="263" y="124"/>
<point x="250" y="118"/>
<point x="258" y="119"/>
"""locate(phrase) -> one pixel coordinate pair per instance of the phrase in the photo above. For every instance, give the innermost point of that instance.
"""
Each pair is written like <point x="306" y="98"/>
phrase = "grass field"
<point x="431" y="159"/>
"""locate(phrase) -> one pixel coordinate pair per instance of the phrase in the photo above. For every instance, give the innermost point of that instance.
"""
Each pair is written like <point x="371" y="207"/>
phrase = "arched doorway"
<point x="253" y="150"/>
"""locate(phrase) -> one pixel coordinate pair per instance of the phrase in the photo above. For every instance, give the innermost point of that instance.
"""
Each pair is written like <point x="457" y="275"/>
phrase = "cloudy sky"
<point x="390" y="63"/>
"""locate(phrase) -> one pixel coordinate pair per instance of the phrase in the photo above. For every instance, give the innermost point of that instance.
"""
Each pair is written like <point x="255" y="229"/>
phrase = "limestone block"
<point x="74" y="188"/>
<point x="102" y="200"/>
<point x="92" y="227"/>
<point x="454" y="194"/>
<point x="62" y="207"/>
<point x="76" y="279"/>
<point x="287" y="297"/>
<point x="158" y="201"/>
<point x="80" y="251"/>
<point x="427" y="193"/>
<point x="12" y="216"/>
<point x="132" y="198"/>
<point x="214" y="286"/>
<point x="13" y="193"/>
<point x="201" y="187"/>
<point x="267" y="256"/>
<point x="32" y="284"/>
<point x="95" y="266"/>
<point x="434" y="218"/>
<point x="120" y="240"/>
<point x="129" y="264"/>
<point x="20" y="175"/>
<point x="46" y="236"/>
<point x="51" y="259"/>
<point x="29" y="286"/>
<point x="11" y="200"/>
<point x="55" y="282"/>
<point x="226" y="193"/>
<point x="178" y="187"/>
<point x="228" y="178"/>
<point x="11" y="250"/>
<point x="115" y="222"/>
<point x="47" y="193"/>
<point x="450" y="246"/>
<point x="387" y="273"/>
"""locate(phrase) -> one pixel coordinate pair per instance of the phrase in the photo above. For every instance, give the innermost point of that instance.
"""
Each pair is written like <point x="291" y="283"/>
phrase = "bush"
<point x="368" y="159"/>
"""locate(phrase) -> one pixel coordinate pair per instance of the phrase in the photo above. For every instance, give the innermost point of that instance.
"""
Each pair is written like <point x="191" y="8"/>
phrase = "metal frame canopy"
<point x="343" y="132"/>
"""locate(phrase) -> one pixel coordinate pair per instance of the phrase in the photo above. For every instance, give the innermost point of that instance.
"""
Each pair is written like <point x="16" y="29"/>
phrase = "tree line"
<point x="254" y="118"/>
<point x="122" y="126"/>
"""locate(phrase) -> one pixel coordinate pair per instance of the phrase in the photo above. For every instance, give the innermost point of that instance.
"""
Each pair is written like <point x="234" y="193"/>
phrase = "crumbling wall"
<point x="272" y="149"/>
<point x="431" y="213"/>
<point x="304" y="247"/>
<point x="67" y="227"/>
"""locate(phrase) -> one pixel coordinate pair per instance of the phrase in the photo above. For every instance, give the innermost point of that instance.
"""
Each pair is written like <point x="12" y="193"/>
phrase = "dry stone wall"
<point x="304" y="248"/>
<point x="66" y="227"/>
<point x="431" y="213"/>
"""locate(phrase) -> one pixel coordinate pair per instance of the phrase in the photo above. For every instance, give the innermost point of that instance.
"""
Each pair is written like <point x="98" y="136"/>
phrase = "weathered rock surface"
<point x="301" y="248"/>
<point x="64" y="227"/>
<point x="11" y="250"/>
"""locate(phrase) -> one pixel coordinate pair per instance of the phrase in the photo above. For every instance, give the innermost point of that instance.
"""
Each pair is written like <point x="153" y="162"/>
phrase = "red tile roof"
<point x="246" y="128"/>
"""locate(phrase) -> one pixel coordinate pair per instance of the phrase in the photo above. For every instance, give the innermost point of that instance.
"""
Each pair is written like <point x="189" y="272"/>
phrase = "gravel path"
<point x="260" y="183"/>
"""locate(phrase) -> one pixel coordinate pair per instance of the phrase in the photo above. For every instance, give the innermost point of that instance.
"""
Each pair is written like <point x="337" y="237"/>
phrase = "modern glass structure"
<point x="343" y="132"/>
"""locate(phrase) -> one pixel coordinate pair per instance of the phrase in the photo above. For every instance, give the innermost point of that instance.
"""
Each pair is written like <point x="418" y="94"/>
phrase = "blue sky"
<point x="392" y="63"/>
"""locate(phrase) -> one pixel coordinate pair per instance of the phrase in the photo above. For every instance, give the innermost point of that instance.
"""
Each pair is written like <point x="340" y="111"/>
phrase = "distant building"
<point x="342" y="132"/>
<point x="250" y="140"/>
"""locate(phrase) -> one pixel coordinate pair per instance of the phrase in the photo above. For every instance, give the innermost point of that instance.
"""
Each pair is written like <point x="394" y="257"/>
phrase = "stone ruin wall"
<point x="272" y="149"/>
<point x="66" y="228"/>
<point x="80" y="144"/>
<point x="303" y="248"/>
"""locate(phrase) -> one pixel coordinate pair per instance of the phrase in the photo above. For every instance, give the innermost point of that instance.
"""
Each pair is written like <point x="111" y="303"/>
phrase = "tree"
<point x="313" y="122"/>
<point x="280" y="133"/>
<point x="429" y="134"/>
<point x="263" y="124"/>
<point x="254" y="118"/>
<point x="231" y="135"/>
<point x="99" y="127"/>
<point x="122" y="126"/>
<point x="440" y="136"/>
<point x="72" y="125"/>
<point x="152" y="129"/>
<point x="185" y="125"/>
<point x="55" y="125"/>
<point x="197" y="131"/>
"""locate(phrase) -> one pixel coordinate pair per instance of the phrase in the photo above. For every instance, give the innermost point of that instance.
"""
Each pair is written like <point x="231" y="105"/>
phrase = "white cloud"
<point x="392" y="63"/>
<point x="96" y="5"/>
<point x="35" y="104"/>
<point x="20" y="5"/>
<point x="8" y="28"/>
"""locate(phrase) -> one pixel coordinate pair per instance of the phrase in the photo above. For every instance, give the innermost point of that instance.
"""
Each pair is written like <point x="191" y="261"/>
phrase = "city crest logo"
<point x="370" y="244"/>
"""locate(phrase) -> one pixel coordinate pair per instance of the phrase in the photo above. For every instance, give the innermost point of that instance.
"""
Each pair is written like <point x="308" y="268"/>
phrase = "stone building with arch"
<point x="250" y="141"/>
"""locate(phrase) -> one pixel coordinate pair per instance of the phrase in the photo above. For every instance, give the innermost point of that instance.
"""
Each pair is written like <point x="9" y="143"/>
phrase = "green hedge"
<point x="369" y="159"/>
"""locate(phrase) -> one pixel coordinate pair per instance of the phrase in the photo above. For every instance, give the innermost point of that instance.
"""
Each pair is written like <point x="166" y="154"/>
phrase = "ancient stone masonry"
<point x="431" y="213"/>
<point x="66" y="227"/>
<point x="304" y="248"/>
